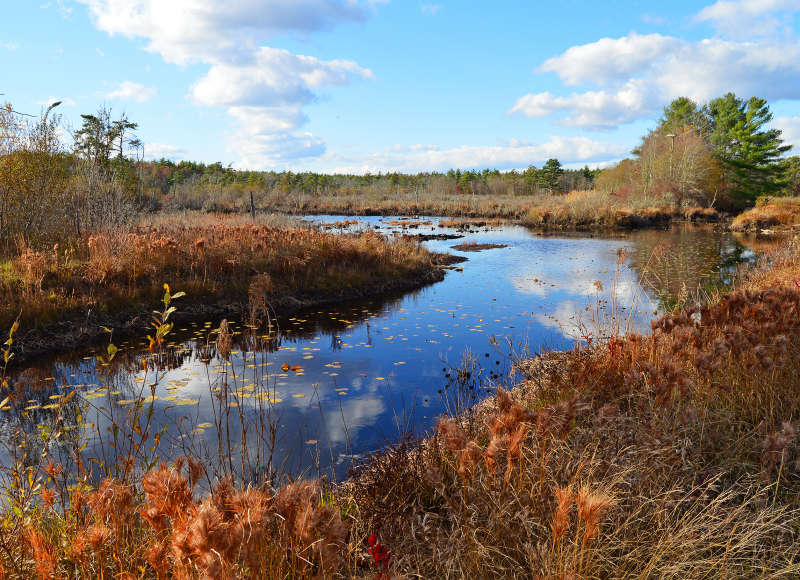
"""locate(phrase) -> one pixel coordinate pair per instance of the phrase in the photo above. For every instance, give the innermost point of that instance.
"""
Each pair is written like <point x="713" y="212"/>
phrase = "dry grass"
<point x="769" y="213"/>
<point x="575" y="210"/>
<point x="668" y="456"/>
<point x="598" y="210"/>
<point x="219" y="258"/>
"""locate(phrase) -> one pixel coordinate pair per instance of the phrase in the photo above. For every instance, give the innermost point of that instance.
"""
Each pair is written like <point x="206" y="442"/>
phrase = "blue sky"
<point x="369" y="85"/>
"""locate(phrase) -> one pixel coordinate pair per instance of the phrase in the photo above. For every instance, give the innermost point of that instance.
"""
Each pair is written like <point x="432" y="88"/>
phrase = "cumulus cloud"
<point x="515" y="154"/>
<point x="609" y="60"/>
<point x="790" y="126"/>
<point x="593" y="109"/>
<point x="637" y="75"/>
<point x="747" y="18"/>
<point x="163" y="151"/>
<point x="130" y="91"/>
<point x="265" y="95"/>
<point x="272" y="76"/>
<point x="185" y="31"/>
<point x="264" y="89"/>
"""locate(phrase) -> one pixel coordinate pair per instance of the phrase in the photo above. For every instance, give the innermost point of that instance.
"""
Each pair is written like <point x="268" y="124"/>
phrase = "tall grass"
<point x="590" y="209"/>
<point x="778" y="212"/>
<point x="223" y="259"/>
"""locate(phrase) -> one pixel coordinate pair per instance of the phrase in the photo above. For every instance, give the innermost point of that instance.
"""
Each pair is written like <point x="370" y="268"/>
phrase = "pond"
<point x="314" y="392"/>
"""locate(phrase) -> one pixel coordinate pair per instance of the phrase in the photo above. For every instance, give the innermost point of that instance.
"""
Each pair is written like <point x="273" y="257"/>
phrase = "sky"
<point x="363" y="86"/>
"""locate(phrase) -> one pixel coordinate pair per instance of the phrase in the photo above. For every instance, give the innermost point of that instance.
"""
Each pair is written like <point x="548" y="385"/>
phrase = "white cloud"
<point x="163" y="151"/>
<point x="130" y="91"/>
<point x="62" y="7"/>
<point x="263" y="88"/>
<point x="9" y="46"/>
<point x="184" y="31"/>
<point x="790" y="127"/>
<point x="593" y="109"/>
<point x="265" y="95"/>
<point x="431" y="9"/>
<point x="609" y="60"/>
<point x="272" y="77"/>
<point x="639" y="75"/>
<point x="748" y="18"/>
<point x="515" y="154"/>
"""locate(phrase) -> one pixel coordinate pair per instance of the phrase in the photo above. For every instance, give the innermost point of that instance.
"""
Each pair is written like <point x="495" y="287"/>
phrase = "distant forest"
<point x="722" y="155"/>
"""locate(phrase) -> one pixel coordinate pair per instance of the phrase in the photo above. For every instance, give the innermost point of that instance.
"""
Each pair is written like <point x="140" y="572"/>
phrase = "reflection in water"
<point x="313" y="391"/>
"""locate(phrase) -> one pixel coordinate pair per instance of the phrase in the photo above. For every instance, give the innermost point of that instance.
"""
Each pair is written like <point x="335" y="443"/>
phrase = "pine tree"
<point x="548" y="175"/>
<point x="749" y="150"/>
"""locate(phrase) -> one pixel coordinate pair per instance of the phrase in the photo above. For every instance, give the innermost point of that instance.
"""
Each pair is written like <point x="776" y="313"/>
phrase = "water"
<point x="333" y="384"/>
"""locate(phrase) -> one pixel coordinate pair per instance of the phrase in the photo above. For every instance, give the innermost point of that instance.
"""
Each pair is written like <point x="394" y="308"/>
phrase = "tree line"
<point x="721" y="154"/>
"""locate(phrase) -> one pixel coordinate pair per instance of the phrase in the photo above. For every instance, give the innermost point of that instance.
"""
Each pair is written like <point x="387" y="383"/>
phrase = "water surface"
<point x="318" y="390"/>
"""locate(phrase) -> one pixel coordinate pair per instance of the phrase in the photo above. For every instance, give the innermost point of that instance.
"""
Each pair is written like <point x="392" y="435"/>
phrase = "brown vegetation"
<point x="769" y="213"/>
<point x="121" y="271"/>
<point x="670" y="456"/>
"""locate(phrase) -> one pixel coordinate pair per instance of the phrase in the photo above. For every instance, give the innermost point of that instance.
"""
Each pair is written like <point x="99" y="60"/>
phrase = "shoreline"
<point x="627" y="222"/>
<point x="84" y="328"/>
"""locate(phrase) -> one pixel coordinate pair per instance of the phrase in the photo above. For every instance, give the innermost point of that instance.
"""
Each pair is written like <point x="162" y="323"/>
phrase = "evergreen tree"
<point x="680" y="113"/>
<point x="548" y="175"/>
<point x="749" y="150"/>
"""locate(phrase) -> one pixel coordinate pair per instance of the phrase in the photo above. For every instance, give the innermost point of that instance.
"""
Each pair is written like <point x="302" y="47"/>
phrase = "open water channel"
<point x="329" y="385"/>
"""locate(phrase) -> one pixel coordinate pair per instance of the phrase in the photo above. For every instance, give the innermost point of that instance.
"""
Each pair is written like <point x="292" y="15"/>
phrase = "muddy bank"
<point x="475" y="247"/>
<point x="81" y="328"/>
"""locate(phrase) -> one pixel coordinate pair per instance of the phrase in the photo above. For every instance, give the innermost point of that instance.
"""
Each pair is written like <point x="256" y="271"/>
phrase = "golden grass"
<point x="209" y="257"/>
<point x="769" y="213"/>
<point x="576" y="210"/>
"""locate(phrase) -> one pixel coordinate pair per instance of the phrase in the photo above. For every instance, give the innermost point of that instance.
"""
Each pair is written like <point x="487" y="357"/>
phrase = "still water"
<point x="316" y="391"/>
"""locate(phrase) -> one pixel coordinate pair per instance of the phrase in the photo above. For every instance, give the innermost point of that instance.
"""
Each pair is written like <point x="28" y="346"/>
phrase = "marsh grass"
<point x="584" y="209"/>
<point x="222" y="259"/>
<point x="777" y="212"/>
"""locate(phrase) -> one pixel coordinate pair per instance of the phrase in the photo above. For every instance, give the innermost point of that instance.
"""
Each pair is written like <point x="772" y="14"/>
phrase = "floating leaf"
<point x="182" y="402"/>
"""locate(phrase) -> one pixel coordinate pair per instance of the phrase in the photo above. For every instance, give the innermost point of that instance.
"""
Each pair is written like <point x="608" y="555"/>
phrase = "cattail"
<point x="224" y="340"/>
